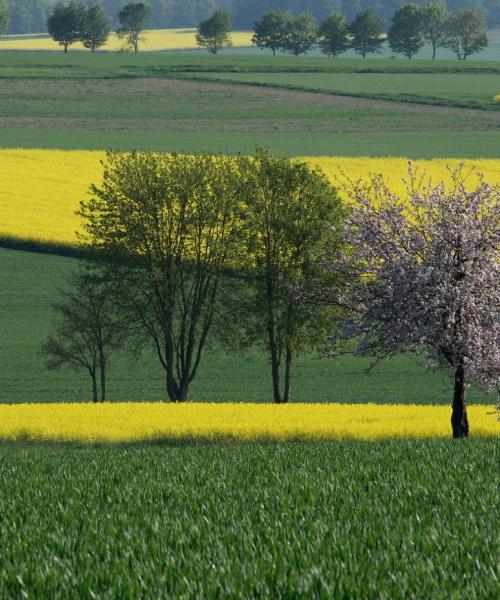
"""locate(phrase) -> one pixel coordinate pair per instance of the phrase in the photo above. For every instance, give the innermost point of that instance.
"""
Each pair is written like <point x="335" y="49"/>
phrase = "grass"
<point x="29" y="283"/>
<point x="317" y="520"/>
<point x="125" y="102"/>
<point x="447" y="89"/>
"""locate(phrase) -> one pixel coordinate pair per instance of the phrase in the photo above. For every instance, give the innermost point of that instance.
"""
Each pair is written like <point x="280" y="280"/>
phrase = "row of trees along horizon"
<point x="464" y="32"/>
<point x="189" y="252"/>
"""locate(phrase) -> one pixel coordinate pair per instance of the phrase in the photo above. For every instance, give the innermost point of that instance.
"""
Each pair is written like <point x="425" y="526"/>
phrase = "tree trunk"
<point x="433" y="52"/>
<point x="459" y="421"/>
<point x="103" y="381"/>
<point x="275" y="369"/>
<point x="65" y="48"/>
<point x="95" y="395"/>
<point x="288" y="375"/>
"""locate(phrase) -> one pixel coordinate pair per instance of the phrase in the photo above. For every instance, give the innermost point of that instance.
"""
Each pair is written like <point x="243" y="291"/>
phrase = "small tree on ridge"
<point x="96" y="28"/>
<point x="367" y="33"/>
<point x="270" y="30"/>
<point x="66" y="22"/>
<point x="134" y="18"/>
<point x="467" y="33"/>
<point x="405" y="35"/>
<point x="215" y="33"/>
<point x="333" y="35"/>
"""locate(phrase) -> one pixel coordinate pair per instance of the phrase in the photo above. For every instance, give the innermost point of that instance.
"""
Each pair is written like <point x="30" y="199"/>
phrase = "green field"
<point x="28" y="286"/>
<point x="379" y="107"/>
<point x="300" y="520"/>
<point x="453" y="89"/>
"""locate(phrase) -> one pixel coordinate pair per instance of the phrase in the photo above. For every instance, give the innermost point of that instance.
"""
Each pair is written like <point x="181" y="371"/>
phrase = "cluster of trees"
<point x="74" y="22"/>
<point x="191" y="249"/>
<point x="31" y="15"/>
<point x="412" y="25"/>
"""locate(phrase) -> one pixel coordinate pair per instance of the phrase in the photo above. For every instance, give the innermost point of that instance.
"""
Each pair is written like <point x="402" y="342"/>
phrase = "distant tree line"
<point x="189" y="251"/>
<point x="464" y="32"/>
<point x="31" y="15"/>
<point x="412" y="25"/>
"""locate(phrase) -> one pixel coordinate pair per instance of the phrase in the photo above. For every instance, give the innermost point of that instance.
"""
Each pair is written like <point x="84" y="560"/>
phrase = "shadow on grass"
<point x="29" y="443"/>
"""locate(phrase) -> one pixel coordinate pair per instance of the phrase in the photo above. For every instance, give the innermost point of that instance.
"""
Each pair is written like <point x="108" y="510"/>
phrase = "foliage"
<point x="66" y="22"/>
<point x="300" y="34"/>
<point x="291" y="209"/>
<point x="96" y="28"/>
<point x="435" y="17"/>
<point x="367" y="33"/>
<point x="174" y="217"/>
<point x="405" y="35"/>
<point x="134" y="18"/>
<point x="466" y="33"/>
<point x="425" y="278"/>
<point x="4" y="17"/>
<point x="270" y="30"/>
<point x="215" y="32"/>
<point x="142" y="421"/>
<point x="333" y="35"/>
<point x="89" y="329"/>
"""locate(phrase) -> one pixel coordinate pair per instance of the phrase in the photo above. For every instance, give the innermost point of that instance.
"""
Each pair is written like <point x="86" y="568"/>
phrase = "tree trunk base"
<point x="460" y="424"/>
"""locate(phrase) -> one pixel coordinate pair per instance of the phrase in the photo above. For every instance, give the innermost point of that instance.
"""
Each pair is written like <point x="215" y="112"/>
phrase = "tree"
<point x="66" y="22"/>
<point x="270" y="29"/>
<point x="333" y="35"/>
<point x="367" y="33"/>
<point x="405" y="34"/>
<point x="89" y="329"/>
<point x="134" y="18"/>
<point x="426" y="275"/>
<point x="215" y="32"/>
<point x="435" y="18"/>
<point x="466" y="33"/>
<point x="171" y="221"/>
<point x="96" y="28"/>
<point x="4" y="17"/>
<point x="300" y="34"/>
<point x="291" y="211"/>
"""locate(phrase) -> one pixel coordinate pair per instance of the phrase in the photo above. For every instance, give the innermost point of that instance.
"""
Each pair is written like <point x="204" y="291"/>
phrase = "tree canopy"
<point x="215" y="33"/>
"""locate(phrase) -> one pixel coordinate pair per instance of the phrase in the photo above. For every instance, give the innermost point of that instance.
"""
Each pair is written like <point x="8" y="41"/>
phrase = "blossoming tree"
<point x="427" y="278"/>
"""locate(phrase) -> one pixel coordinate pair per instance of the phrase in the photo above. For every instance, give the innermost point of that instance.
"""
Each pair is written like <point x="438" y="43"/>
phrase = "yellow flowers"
<point x="155" y="40"/>
<point x="41" y="190"/>
<point x="146" y="421"/>
<point x="496" y="99"/>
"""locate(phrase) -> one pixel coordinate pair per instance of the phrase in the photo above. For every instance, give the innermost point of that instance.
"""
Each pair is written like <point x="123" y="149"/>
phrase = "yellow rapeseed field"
<point x="40" y="190"/>
<point x="155" y="40"/>
<point x="146" y="421"/>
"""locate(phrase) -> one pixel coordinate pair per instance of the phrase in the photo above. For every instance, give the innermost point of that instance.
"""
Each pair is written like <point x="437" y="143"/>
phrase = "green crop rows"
<point x="323" y="520"/>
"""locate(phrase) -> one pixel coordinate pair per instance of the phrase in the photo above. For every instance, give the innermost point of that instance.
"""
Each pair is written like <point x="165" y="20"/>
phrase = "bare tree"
<point x="88" y="330"/>
<point x="426" y="272"/>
